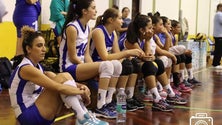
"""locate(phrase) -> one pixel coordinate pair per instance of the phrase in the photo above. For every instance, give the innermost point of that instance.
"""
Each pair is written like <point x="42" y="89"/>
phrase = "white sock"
<point x="130" y="92"/>
<point x="190" y="73"/>
<point x="156" y="95"/>
<point x="101" y="98"/>
<point x="74" y="101"/>
<point x="182" y="72"/>
<point x="170" y="91"/>
<point x="159" y="86"/>
<point x="109" y="95"/>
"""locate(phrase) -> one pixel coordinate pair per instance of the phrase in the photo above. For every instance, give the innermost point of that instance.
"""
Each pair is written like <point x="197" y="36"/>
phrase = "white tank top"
<point x="81" y="43"/>
<point x="23" y="93"/>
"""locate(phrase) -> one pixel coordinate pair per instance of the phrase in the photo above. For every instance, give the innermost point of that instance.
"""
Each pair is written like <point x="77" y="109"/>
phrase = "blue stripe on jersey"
<point x="121" y="41"/>
<point x="38" y="90"/>
<point x="19" y="92"/>
<point x="83" y="29"/>
<point x="65" y="49"/>
<point x="108" y="42"/>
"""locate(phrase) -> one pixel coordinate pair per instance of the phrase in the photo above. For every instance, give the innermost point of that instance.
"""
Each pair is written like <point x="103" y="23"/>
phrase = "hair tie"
<point x="74" y="6"/>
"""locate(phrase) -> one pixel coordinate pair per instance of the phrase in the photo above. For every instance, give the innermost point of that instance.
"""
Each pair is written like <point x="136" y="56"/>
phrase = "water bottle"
<point x="121" y="107"/>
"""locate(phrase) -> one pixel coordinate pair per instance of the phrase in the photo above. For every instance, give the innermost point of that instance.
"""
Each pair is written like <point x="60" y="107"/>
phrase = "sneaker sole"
<point x="104" y="116"/>
<point x="173" y="102"/>
<point x="159" y="109"/>
<point x="131" y="110"/>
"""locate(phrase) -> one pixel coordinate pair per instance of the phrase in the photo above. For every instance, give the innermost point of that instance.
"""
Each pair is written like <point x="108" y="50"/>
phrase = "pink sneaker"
<point x="163" y="94"/>
<point x="147" y="97"/>
<point x="177" y="92"/>
<point x="183" y="88"/>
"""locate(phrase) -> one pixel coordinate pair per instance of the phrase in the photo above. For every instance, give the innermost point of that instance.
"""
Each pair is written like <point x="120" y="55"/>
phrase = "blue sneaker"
<point x="112" y="106"/>
<point x="90" y="120"/>
<point x="105" y="112"/>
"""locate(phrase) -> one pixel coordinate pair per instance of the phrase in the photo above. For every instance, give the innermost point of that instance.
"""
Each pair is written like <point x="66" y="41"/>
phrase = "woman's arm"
<point x="71" y="44"/>
<point x="162" y="52"/>
<point x="99" y="41"/>
<point x="87" y="56"/>
<point x="34" y="75"/>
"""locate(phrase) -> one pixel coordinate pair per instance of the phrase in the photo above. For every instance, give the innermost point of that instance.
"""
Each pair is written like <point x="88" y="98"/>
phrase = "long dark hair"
<point x="109" y="13"/>
<point x="165" y="19"/>
<point x="155" y="17"/>
<point x="174" y="23"/>
<point x="75" y="10"/>
<point x="133" y="33"/>
<point x="28" y="34"/>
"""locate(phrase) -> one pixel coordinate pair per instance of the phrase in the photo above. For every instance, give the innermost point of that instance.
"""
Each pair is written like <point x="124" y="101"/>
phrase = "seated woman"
<point x="104" y="46"/>
<point x="75" y="57"/>
<point x="139" y="35"/>
<point x="161" y="27"/>
<point x="36" y="96"/>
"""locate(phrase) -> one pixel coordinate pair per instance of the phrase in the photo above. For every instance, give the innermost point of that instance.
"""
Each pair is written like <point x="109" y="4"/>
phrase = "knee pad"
<point x="136" y="65"/>
<point x="178" y="59"/>
<point x="106" y="69"/>
<point x="167" y="62"/>
<point x="127" y="67"/>
<point x="161" y="68"/>
<point x="188" y="59"/>
<point x="183" y="58"/>
<point x="149" y="68"/>
<point x="117" y="66"/>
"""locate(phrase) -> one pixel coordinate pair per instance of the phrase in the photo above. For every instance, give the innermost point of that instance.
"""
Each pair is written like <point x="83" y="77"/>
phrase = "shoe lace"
<point x="93" y="116"/>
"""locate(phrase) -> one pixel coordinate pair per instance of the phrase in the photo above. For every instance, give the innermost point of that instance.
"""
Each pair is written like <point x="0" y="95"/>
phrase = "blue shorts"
<point x="72" y="70"/>
<point x="31" y="116"/>
<point x="29" y="21"/>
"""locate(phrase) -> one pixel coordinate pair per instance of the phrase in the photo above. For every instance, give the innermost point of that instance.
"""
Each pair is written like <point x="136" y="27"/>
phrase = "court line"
<point x="193" y="108"/>
<point x="63" y="117"/>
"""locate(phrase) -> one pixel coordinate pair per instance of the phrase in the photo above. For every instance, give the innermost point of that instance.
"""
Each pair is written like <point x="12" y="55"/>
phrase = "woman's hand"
<point x="188" y="52"/>
<point x="86" y="95"/>
<point x="135" y="52"/>
<point x="148" y="57"/>
<point x="174" y="59"/>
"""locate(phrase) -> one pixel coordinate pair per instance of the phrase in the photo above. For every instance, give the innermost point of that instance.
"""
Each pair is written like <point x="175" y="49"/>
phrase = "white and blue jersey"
<point x="109" y="44"/>
<point x="23" y="93"/>
<point x="81" y="43"/>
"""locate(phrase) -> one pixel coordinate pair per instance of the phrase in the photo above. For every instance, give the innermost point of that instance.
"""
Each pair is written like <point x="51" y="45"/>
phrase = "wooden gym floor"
<point x="203" y="99"/>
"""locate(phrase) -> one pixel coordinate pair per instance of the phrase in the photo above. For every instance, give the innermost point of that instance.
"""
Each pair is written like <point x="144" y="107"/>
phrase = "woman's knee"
<point x="161" y="68"/>
<point x="148" y="69"/>
<point x="106" y="69"/>
<point x="117" y="68"/>
<point x="62" y="77"/>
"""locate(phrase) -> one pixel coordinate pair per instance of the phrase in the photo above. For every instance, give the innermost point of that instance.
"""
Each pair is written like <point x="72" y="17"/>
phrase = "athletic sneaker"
<point x="176" y="100"/>
<point x="183" y="88"/>
<point x="105" y="112"/>
<point x="138" y="103"/>
<point x="130" y="105"/>
<point x="90" y="121"/>
<point x="176" y="91"/>
<point x="163" y="94"/>
<point x="187" y="84"/>
<point x="146" y="97"/>
<point x="112" y="106"/>
<point x="93" y="117"/>
<point x="162" y="105"/>
<point x="194" y="81"/>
